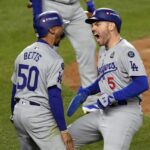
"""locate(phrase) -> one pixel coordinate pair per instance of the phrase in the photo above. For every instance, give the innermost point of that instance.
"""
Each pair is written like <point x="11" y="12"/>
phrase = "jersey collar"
<point x="43" y="41"/>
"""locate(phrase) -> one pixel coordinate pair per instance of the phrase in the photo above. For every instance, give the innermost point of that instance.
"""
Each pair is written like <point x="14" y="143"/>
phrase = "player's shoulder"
<point x="27" y="48"/>
<point x="126" y="45"/>
<point x="20" y="55"/>
<point x="49" y="53"/>
<point x="44" y="49"/>
<point x="126" y="48"/>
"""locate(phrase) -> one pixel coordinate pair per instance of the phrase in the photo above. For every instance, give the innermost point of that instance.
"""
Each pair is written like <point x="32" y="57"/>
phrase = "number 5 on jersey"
<point x="29" y="80"/>
<point x="111" y="82"/>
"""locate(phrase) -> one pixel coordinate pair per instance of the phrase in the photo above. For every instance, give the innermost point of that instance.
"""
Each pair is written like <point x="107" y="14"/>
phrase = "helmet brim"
<point x="91" y="20"/>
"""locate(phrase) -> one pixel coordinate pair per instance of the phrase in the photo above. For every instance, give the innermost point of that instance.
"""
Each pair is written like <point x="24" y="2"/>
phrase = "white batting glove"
<point x="105" y="100"/>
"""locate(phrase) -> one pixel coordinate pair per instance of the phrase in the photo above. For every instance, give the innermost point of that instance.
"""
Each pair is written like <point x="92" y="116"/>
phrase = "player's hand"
<point x="29" y="4"/>
<point x="11" y="119"/>
<point x="77" y="101"/>
<point x="88" y="14"/>
<point x="105" y="100"/>
<point x="90" y="6"/>
<point x="67" y="140"/>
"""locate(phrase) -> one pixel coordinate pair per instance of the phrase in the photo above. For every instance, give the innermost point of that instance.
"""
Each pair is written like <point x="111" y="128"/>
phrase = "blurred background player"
<point x="37" y="106"/>
<point x="78" y="32"/>
<point x="122" y="78"/>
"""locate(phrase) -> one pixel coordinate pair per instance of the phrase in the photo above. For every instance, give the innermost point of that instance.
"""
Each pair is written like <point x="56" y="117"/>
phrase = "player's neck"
<point x="49" y="41"/>
<point x="114" y="40"/>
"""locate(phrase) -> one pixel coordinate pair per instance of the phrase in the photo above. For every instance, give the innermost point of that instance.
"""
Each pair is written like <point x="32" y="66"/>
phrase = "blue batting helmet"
<point x="46" y="20"/>
<point x="105" y="14"/>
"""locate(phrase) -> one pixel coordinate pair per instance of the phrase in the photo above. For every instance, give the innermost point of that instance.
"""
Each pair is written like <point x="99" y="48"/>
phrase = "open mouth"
<point x="96" y="36"/>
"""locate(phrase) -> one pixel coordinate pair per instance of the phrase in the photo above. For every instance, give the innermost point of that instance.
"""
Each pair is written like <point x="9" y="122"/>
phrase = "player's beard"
<point x="102" y="33"/>
<point x="57" y="43"/>
<point x="103" y="38"/>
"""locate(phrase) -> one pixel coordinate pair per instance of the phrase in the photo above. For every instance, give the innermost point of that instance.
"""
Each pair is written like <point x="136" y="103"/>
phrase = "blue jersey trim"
<point x="42" y="41"/>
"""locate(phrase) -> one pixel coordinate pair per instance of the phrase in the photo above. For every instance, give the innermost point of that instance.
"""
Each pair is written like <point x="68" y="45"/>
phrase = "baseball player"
<point x="82" y="40"/>
<point x="122" y="78"/>
<point x="37" y="106"/>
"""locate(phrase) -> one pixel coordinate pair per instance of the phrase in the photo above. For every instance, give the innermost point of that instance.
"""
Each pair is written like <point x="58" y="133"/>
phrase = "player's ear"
<point x="112" y="26"/>
<point x="51" y="31"/>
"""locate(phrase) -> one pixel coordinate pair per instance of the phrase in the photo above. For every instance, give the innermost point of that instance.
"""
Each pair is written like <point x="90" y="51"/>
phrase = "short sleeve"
<point x="132" y="62"/>
<point x="55" y="74"/>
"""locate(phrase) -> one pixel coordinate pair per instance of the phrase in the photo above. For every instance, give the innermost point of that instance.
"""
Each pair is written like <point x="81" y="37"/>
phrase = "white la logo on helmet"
<point x="49" y="19"/>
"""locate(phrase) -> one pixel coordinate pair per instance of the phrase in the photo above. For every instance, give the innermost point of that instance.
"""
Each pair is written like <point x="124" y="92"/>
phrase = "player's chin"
<point x="99" y="41"/>
<point x="57" y="42"/>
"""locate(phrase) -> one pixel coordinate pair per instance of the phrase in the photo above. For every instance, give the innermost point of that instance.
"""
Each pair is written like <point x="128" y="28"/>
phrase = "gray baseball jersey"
<point x="37" y="67"/>
<point x="118" y="123"/>
<point x="80" y="35"/>
<point x="65" y="1"/>
<point x="40" y="67"/>
<point x="117" y="65"/>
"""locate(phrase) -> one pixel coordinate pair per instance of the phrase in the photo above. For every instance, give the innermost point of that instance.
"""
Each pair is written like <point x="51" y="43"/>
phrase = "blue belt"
<point x="119" y="103"/>
<point x="122" y="103"/>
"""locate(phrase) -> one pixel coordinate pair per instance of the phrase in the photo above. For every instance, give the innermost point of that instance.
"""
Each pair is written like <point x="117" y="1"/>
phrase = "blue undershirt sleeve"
<point x="93" y="88"/>
<point x="13" y="98"/>
<point x="90" y="6"/>
<point x="138" y="85"/>
<point x="56" y="105"/>
<point x="37" y="7"/>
